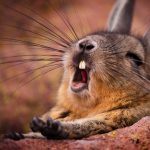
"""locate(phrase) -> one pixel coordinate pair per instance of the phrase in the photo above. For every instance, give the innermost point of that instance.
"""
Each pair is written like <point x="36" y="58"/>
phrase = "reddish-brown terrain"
<point x="136" y="137"/>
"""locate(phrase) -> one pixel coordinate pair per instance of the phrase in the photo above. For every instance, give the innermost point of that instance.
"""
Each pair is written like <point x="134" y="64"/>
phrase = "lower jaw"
<point x="79" y="89"/>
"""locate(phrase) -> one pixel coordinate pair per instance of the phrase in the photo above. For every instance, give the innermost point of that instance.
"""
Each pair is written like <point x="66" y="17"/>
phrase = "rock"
<point x="135" y="137"/>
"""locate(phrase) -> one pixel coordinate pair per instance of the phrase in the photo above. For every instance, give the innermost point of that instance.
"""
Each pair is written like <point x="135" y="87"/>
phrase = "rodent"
<point x="105" y="85"/>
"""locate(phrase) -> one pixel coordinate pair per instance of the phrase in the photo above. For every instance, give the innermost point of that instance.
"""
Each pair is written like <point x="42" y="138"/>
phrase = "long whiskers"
<point x="40" y="36"/>
<point x="22" y="83"/>
<point x="33" y="55"/>
<point x="51" y="25"/>
<point x="25" y="42"/>
<point x="140" y="81"/>
<point x="66" y="21"/>
<point x="50" y="64"/>
<point x="45" y="28"/>
<point x="30" y="60"/>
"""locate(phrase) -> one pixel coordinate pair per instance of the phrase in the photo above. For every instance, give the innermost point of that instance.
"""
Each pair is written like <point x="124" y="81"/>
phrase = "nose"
<point x="87" y="45"/>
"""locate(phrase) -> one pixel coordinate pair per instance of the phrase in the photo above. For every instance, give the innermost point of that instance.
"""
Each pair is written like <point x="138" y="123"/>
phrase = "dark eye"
<point x="134" y="58"/>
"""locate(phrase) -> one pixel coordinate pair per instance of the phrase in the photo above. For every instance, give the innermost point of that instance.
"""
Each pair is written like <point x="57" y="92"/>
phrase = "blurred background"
<point x="26" y="87"/>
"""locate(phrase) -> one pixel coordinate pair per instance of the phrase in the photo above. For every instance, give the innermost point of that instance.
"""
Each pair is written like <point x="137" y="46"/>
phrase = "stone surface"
<point x="135" y="137"/>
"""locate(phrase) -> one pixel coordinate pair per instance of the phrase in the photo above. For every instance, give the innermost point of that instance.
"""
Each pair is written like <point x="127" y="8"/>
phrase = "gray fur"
<point x="118" y="90"/>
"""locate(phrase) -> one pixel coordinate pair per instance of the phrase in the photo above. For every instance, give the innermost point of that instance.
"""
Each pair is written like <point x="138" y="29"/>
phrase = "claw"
<point x="50" y="129"/>
<point x="49" y="122"/>
<point x="14" y="136"/>
<point x="56" y="126"/>
<point x="36" y="124"/>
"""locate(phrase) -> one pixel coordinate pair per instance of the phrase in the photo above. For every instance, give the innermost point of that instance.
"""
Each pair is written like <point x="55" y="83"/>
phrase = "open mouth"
<point x="81" y="78"/>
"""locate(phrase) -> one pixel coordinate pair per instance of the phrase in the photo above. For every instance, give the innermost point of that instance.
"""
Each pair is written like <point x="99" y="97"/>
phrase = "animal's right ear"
<point x="147" y="52"/>
<point x="121" y="16"/>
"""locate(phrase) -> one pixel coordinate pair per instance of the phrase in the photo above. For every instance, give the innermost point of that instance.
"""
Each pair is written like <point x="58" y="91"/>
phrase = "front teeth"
<point x="82" y="64"/>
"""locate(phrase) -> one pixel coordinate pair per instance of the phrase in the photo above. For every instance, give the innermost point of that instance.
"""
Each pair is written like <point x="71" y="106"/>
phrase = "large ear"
<point x="147" y="52"/>
<point x="121" y="16"/>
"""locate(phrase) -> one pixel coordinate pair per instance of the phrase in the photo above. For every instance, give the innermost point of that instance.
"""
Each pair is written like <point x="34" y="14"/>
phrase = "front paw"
<point x="50" y="129"/>
<point x="14" y="136"/>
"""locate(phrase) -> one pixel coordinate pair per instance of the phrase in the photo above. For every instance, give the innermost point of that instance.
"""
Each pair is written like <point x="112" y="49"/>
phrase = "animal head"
<point x="104" y="62"/>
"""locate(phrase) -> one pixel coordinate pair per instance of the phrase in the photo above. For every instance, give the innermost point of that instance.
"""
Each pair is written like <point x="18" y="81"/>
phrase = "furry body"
<point x="112" y="91"/>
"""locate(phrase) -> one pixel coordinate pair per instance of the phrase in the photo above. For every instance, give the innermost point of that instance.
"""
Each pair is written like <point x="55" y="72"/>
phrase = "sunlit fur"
<point x="112" y="76"/>
<point x="118" y="89"/>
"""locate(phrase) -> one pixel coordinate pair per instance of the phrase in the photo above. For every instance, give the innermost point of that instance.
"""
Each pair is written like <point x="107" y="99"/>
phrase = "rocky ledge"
<point x="135" y="137"/>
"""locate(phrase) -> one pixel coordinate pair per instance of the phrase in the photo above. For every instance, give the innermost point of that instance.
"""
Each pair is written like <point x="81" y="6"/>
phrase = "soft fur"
<point x="118" y="88"/>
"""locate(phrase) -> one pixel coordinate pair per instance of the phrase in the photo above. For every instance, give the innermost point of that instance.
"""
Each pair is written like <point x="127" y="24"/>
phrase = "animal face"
<point x="104" y="59"/>
<point x="108" y="61"/>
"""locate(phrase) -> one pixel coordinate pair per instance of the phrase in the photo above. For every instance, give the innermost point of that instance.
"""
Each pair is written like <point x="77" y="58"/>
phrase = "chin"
<point x="83" y="93"/>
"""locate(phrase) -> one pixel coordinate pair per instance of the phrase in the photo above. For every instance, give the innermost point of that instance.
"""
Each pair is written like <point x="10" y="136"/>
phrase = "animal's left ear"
<point x="147" y="52"/>
<point x="121" y="16"/>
